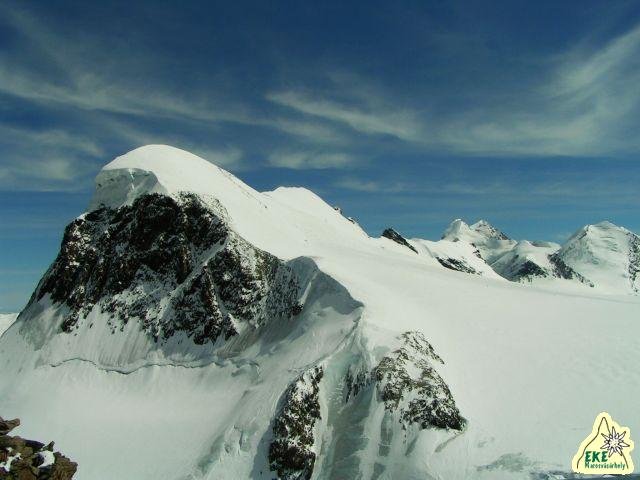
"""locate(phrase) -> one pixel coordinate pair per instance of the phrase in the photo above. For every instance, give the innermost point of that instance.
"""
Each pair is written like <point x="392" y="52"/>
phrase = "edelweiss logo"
<point x="606" y="450"/>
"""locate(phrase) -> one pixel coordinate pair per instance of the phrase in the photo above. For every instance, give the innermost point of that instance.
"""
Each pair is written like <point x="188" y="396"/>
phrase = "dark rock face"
<point x="391" y="234"/>
<point x="423" y="399"/>
<point x="562" y="270"/>
<point x="634" y="261"/>
<point x="457" y="265"/>
<point x="407" y="382"/>
<point x="22" y="459"/>
<point x="291" y="453"/>
<point x="171" y="263"/>
<point x="528" y="270"/>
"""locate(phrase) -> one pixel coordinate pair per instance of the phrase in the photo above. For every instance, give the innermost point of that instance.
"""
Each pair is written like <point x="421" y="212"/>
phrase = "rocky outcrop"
<point x="22" y="459"/>
<point x="408" y="384"/>
<point x="391" y="234"/>
<point x="173" y="264"/>
<point x="457" y="265"/>
<point x="634" y="262"/>
<point x="562" y="270"/>
<point x="291" y="452"/>
<point x="528" y="270"/>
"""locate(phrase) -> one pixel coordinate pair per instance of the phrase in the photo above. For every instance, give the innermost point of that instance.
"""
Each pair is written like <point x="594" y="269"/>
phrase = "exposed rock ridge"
<point x="291" y="452"/>
<point x="562" y="270"/>
<point x="527" y="271"/>
<point x="457" y="265"/>
<point x="173" y="264"/>
<point x="634" y="261"/>
<point x="407" y="383"/>
<point x="391" y="234"/>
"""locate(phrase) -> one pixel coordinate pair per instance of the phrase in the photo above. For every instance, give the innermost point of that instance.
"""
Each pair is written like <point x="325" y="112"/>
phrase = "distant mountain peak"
<point x="484" y="227"/>
<point x="455" y="230"/>
<point x="605" y="253"/>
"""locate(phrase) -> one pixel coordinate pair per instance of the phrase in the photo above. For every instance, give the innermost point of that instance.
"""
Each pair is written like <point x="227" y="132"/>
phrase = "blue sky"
<point x="406" y="114"/>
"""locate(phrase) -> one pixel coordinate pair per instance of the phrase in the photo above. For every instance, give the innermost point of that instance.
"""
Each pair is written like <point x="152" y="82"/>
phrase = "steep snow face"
<point x="455" y="255"/>
<point x="485" y="228"/>
<point x="490" y="242"/>
<point x="6" y="320"/>
<point x="539" y="263"/>
<point x="286" y="222"/>
<point x="418" y="378"/>
<point x="605" y="254"/>
<point x="526" y="262"/>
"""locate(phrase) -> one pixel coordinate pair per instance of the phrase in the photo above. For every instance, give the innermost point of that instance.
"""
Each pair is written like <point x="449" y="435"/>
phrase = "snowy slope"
<point x="526" y="261"/>
<point x="607" y="255"/>
<point x="455" y="255"/>
<point x="6" y="319"/>
<point x="512" y="358"/>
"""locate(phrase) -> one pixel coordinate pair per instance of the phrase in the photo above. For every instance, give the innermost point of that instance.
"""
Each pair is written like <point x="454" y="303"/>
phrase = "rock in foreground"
<point x="30" y="460"/>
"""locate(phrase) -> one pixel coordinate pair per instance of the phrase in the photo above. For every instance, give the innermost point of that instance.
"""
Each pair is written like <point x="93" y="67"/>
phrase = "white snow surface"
<point x="458" y="250"/>
<point x="601" y="253"/>
<point x="529" y="368"/>
<point x="6" y="320"/>
<point x="48" y="458"/>
<point x="524" y="251"/>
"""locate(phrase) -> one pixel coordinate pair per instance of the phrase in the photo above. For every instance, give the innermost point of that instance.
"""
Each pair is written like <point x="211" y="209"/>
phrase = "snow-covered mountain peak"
<point x="166" y="170"/>
<point x="605" y="253"/>
<point x="600" y="235"/>
<point x="460" y="230"/>
<point x="456" y="230"/>
<point x="284" y="221"/>
<point x="490" y="242"/>
<point x="488" y="230"/>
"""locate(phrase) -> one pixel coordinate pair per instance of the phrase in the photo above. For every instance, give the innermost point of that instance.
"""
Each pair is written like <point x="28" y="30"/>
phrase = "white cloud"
<point x="584" y="102"/>
<point x="45" y="159"/>
<point x="400" y="124"/>
<point x="82" y="82"/>
<point x="311" y="160"/>
<point x="372" y="186"/>
<point x="312" y="132"/>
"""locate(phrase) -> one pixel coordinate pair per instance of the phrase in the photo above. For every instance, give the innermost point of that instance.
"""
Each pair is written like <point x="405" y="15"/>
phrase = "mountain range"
<point x="194" y="328"/>
<point x="604" y="257"/>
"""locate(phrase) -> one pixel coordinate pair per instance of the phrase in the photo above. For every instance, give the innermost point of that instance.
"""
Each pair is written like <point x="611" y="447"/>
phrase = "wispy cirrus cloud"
<point x="372" y="186"/>
<point x="400" y="124"/>
<point x="572" y="188"/>
<point x="583" y="102"/>
<point x="49" y="159"/>
<point x="77" y="78"/>
<point x="303" y="160"/>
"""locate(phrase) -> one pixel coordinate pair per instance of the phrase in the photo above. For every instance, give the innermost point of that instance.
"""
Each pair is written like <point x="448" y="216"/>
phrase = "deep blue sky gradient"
<point x="406" y="114"/>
